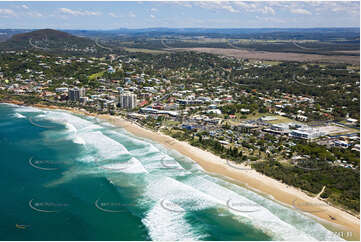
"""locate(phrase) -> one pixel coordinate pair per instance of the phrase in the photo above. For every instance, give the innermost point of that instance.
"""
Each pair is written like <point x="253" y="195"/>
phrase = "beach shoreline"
<point x="280" y="192"/>
<point x="343" y="224"/>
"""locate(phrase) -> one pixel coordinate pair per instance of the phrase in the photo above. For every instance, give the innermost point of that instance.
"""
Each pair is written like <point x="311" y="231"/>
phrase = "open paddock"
<point x="276" y="56"/>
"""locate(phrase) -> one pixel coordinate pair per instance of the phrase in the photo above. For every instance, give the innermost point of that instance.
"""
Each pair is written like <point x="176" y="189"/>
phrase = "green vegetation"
<point x="342" y="185"/>
<point x="239" y="87"/>
<point x="96" y="75"/>
<point x="47" y="40"/>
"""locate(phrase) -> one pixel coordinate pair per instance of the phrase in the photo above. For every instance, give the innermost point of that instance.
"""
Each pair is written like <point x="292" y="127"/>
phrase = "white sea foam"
<point x="71" y="128"/>
<point x="18" y="115"/>
<point x="196" y="193"/>
<point x="208" y="194"/>
<point x="81" y="132"/>
<point x="132" y="166"/>
<point x="175" y="191"/>
<point x="71" y="121"/>
<point x="260" y="217"/>
<point x="161" y="161"/>
<point x="129" y="138"/>
<point x="165" y="225"/>
<point x="106" y="147"/>
<point x="290" y="216"/>
<point x="145" y="151"/>
<point x="23" y="109"/>
<point x="79" y="140"/>
<point x="10" y="104"/>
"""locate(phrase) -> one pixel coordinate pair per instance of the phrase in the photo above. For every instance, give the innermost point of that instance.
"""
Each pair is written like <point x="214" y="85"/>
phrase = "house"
<point x="341" y="143"/>
<point x="268" y="118"/>
<point x="215" y="111"/>
<point x="110" y="69"/>
<point x="301" y="117"/>
<point x="244" y="110"/>
<point x="351" y="120"/>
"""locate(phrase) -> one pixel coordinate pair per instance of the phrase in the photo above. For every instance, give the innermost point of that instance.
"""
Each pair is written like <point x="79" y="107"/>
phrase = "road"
<point x="160" y="99"/>
<point x="164" y="44"/>
<point x="101" y="46"/>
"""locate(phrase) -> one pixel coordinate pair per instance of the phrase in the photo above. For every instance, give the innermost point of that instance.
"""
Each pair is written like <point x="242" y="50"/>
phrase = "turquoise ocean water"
<point x="69" y="177"/>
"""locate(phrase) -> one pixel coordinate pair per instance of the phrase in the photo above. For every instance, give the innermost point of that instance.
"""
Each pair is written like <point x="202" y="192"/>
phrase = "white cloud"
<point x="267" y="10"/>
<point x="300" y="11"/>
<point x="255" y="7"/>
<point x="113" y="15"/>
<point x="35" y="14"/>
<point x="132" y="15"/>
<point x="246" y="5"/>
<point x="79" y="13"/>
<point x="152" y="16"/>
<point x="230" y="9"/>
<point x="25" y="6"/>
<point x="340" y="7"/>
<point x="181" y="3"/>
<point x="217" y="5"/>
<point x="4" y="12"/>
<point x="271" y="20"/>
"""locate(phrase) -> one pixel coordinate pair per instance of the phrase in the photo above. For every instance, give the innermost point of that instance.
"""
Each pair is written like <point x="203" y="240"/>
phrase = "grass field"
<point x="281" y="119"/>
<point x="170" y="123"/>
<point x="96" y="75"/>
<point x="276" y="56"/>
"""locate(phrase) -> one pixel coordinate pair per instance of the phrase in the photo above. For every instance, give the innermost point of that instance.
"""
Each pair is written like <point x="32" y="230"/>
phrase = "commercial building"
<point x="127" y="101"/>
<point x="309" y="133"/>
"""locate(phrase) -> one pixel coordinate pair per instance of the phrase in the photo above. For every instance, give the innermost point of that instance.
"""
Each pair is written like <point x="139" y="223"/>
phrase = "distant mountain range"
<point x="257" y="33"/>
<point x="91" y="41"/>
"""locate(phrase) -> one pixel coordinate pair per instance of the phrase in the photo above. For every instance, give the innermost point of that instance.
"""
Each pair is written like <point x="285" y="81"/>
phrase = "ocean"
<point x="70" y="177"/>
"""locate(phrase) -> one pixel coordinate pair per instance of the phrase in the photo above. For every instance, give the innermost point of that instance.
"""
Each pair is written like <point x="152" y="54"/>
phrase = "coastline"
<point x="280" y="192"/>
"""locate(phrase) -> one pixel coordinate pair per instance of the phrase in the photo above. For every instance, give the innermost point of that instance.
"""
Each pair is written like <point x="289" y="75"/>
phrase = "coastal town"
<point x="232" y="115"/>
<point x="208" y="101"/>
<point x="180" y="121"/>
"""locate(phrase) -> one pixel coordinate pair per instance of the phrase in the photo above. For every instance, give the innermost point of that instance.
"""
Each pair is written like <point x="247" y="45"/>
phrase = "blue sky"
<point x="180" y="14"/>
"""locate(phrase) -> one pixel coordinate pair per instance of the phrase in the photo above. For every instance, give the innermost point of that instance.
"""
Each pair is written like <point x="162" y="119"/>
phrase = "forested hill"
<point x="48" y="39"/>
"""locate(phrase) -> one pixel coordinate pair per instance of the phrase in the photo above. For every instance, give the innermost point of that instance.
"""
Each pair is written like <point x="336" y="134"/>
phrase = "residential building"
<point x="127" y="100"/>
<point x="76" y="93"/>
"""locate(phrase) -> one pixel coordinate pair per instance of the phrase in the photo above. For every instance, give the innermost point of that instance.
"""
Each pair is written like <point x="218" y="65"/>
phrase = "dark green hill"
<point x="48" y="40"/>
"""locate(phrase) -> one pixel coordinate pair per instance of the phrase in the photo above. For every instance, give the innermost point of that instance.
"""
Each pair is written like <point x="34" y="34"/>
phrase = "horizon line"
<point x="180" y="28"/>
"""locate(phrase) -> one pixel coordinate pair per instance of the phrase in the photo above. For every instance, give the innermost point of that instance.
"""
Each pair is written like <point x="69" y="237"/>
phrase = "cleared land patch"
<point x="146" y="51"/>
<point x="277" y="56"/>
<point x="96" y="75"/>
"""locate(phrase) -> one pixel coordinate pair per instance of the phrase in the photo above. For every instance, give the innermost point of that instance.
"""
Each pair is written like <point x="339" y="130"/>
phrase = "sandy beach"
<point x="342" y="223"/>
